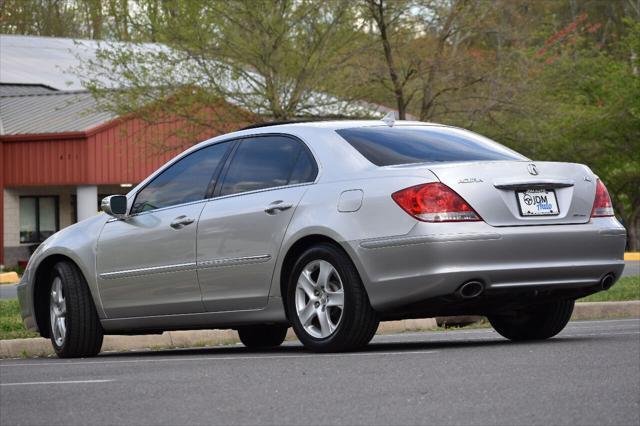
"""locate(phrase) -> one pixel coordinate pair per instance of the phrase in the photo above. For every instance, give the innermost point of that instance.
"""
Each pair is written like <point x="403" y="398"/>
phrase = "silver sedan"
<point x="330" y="227"/>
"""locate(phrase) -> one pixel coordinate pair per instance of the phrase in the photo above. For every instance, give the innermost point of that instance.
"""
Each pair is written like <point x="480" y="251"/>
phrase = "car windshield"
<point x="388" y="146"/>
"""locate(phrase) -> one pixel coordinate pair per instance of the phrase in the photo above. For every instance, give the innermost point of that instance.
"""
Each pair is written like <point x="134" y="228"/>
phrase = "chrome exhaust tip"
<point x="470" y="290"/>
<point x="607" y="281"/>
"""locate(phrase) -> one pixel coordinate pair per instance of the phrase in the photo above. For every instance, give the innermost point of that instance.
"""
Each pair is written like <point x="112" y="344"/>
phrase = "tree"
<point x="582" y="104"/>
<point x="440" y="62"/>
<point x="389" y="18"/>
<point x="278" y="59"/>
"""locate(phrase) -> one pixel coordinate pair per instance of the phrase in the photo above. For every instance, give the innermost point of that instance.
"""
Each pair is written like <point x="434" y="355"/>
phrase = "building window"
<point x="38" y="218"/>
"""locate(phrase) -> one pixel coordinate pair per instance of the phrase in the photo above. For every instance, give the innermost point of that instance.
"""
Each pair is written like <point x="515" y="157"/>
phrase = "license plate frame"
<point x="527" y="210"/>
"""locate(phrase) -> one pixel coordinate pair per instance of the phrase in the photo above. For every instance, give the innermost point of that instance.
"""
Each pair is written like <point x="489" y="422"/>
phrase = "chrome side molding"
<point x="147" y="271"/>
<point x="231" y="261"/>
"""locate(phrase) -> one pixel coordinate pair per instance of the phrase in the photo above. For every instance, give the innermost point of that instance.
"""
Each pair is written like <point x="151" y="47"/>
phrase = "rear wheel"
<point x="537" y="323"/>
<point x="327" y="303"/>
<point x="73" y="322"/>
<point x="262" y="336"/>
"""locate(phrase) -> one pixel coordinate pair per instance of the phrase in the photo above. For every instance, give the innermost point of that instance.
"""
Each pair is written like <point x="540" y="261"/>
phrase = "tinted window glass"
<point x="385" y="146"/>
<point x="265" y="162"/>
<point x="183" y="182"/>
<point x="304" y="170"/>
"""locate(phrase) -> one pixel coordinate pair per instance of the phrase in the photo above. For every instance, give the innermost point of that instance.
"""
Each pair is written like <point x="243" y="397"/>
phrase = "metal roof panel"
<point x="54" y="112"/>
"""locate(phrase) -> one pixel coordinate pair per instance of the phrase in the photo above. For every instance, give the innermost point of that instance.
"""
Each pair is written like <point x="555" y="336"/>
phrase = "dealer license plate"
<point x="538" y="202"/>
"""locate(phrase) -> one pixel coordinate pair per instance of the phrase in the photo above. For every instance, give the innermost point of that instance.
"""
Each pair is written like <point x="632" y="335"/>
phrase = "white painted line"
<point x="68" y="382"/>
<point x="218" y="358"/>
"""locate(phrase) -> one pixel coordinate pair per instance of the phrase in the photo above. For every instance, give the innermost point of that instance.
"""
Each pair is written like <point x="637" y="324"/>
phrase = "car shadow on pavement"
<point x="294" y="348"/>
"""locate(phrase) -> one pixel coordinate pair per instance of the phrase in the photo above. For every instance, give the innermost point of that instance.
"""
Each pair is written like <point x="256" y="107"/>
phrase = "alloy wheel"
<point x="319" y="299"/>
<point x="58" y="312"/>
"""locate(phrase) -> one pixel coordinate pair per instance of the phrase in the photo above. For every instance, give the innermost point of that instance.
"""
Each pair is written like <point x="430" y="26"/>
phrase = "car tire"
<point x="262" y="336"/>
<point x="538" y="323"/>
<point x="346" y="328"/>
<point x="74" y="326"/>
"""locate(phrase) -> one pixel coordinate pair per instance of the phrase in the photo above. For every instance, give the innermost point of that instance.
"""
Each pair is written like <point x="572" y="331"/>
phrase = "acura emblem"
<point x="532" y="169"/>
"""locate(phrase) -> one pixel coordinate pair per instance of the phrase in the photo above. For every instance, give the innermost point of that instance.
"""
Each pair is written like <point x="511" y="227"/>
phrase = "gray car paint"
<point x="399" y="259"/>
<point x="238" y="244"/>
<point x="146" y="267"/>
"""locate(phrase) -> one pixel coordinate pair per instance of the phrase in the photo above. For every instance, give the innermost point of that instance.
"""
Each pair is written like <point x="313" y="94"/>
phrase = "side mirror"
<point x="115" y="205"/>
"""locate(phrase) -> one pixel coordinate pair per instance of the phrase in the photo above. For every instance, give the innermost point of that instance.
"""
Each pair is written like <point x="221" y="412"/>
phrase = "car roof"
<point x="303" y="128"/>
<point x="340" y="124"/>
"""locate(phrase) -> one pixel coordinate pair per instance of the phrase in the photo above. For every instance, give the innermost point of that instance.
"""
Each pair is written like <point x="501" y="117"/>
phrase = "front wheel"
<point x="74" y="327"/>
<point x="537" y="323"/>
<point x="327" y="303"/>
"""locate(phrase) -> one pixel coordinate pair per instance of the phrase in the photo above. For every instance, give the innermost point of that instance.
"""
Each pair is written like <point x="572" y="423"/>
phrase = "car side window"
<point x="267" y="162"/>
<point x="304" y="170"/>
<point x="184" y="181"/>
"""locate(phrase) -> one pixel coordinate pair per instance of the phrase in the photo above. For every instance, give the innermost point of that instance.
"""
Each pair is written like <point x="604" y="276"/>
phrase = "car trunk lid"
<point x="492" y="187"/>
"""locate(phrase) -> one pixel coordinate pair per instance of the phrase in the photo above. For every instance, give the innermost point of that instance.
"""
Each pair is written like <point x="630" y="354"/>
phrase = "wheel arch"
<point x="41" y="289"/>
<point x="297" y="248"/>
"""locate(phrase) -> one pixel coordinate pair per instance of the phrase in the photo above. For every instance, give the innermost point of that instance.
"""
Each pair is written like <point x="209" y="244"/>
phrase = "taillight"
<point x="602" y="206"/>
<point x="435" y="202"/>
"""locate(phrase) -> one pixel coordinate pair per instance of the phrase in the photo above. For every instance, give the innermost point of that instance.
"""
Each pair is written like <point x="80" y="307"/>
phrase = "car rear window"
<point x="387" y="146"/>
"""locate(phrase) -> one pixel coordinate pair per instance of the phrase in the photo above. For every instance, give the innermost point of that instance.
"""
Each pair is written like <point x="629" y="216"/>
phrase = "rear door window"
<point x="267" y="162"/>
<point x="387" y="146"/>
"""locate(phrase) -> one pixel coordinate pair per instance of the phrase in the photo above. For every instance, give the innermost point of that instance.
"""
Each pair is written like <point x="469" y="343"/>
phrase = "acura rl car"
<point x="330" y="228"/>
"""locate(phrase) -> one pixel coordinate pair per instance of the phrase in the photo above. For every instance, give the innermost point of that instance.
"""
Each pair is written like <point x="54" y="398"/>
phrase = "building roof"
<point x="49" y="112"/>
<point x="24" y="89"/>
<point x="44" y="60"/>
<point x="39" y="93"/>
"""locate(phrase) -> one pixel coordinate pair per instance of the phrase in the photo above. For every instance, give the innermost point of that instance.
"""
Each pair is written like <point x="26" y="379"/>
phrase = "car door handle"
<point x="181" y="222"/>
<point x="276" y="206"/>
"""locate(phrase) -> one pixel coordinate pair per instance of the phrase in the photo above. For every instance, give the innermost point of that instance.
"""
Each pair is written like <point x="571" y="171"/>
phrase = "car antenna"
<point x="389" y="119"/>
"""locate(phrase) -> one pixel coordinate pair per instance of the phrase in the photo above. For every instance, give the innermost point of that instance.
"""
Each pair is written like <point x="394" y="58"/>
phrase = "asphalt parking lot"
<point x="589" y="374"/>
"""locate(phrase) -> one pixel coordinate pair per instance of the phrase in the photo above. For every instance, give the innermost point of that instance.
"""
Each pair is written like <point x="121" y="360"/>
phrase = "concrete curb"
<point x="595" y="310"/>
<point x="174" y="339"/>
<point x="199" y="338"/>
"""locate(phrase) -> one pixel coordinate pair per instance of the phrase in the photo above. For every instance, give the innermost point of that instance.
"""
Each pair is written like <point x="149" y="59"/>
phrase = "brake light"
<point x="435" y="202"/>
<point x="602" y="206"/>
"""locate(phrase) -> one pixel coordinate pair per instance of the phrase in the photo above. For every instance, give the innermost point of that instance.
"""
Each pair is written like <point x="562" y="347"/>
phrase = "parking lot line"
<point x="66" y="382"/>
<point x="215" y="358"/>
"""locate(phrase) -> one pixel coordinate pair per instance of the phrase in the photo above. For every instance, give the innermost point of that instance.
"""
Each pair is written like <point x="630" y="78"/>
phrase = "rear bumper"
<point x="434" y="260"/>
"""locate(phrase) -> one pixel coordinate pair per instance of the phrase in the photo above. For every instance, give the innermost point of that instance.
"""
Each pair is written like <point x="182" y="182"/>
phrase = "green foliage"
<point x="16" y="268"/>
<point x="11" y="325"/>
<point x="628" y="288"/>
<point x="582" y="106"/>
<point x="278" y="59"/>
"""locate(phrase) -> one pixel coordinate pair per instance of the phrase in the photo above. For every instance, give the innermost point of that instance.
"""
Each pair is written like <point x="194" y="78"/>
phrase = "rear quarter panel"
<point x="378" y="216"/>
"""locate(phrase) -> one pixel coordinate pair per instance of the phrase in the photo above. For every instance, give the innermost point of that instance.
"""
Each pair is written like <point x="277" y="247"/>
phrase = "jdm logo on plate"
<point x="538" y="202"/>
